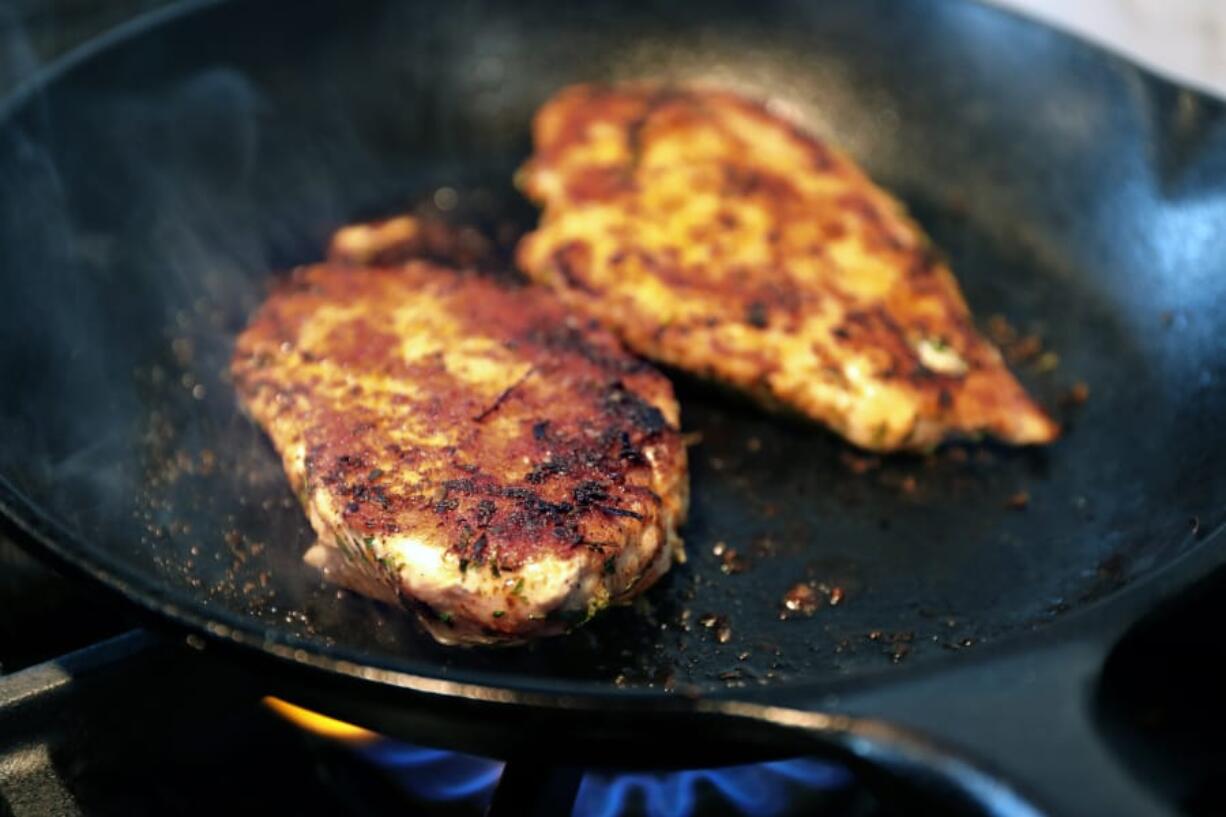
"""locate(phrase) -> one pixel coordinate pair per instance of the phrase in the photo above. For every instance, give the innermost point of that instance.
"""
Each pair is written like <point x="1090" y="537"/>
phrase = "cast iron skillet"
<point x="152" y="180"/>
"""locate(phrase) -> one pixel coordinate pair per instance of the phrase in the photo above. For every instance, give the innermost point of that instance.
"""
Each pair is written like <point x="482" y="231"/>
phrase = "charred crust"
<point x="485" y="512"/>
<point x="478" y="549"/>
<point x="756" y="315"/>
<point x="465" y="485"/>
<point x="571" y="340"/>
<point x="546" y="470"/>
<point x="570" y="260"/>
<point x="581" y="424"/>
<point x="627" y="450"/>
<point x="589" y="492"/>
<point x="629" y="407"/>
<point x="610" y="510"/>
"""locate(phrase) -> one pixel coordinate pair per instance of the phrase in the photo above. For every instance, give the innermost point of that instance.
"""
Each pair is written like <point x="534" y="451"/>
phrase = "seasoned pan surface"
<point x="154" y="185"/>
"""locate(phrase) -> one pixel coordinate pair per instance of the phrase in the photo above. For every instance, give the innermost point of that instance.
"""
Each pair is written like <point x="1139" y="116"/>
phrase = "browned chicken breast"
<point x="719" y="238"/>
<point x="464" y="447"/>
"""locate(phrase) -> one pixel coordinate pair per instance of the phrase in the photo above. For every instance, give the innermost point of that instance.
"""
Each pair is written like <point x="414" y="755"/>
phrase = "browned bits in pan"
<point x="801" y="600"/>
<point x="731" y="561"/>
<point x="1018" y="501"/>
<point x="1077" y="395"/>
<point x="717" y="624"/>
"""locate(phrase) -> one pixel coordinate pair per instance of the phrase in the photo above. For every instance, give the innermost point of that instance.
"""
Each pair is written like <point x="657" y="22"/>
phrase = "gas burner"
<point x="436" y="776"/>
<point x="768" y="789"/>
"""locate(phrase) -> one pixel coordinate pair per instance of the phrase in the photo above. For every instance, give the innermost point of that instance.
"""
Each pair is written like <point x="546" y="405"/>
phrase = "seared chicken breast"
<point x="720" y="238"/>
<point x="465" y="447"/>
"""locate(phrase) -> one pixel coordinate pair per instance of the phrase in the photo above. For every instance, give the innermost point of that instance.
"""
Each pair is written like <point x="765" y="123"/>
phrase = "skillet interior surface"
<point x="150" y="190"/>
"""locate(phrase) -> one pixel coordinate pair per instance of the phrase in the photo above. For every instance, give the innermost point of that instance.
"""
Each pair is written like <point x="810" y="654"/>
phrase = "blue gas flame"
<point x="758" y="790"/>
<point x="436" y="774"/>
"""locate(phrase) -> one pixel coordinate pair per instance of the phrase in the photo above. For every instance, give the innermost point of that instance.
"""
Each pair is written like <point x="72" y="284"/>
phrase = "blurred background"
<point x="1182" y="39"/>
<point x="1185" y="39"/>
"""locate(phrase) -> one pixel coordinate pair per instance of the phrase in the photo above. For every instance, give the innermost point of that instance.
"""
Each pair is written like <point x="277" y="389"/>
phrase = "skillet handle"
<point x="1014" y="733"/>
<point x="1015" y="736"/>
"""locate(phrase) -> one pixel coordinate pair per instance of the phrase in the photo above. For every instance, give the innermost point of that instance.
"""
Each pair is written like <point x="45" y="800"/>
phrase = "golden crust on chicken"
<point x="717" y="237"/>
<point x="465" y="447"/>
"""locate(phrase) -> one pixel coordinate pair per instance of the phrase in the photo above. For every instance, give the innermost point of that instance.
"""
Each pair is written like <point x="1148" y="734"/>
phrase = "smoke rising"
<point x="149" y="197"/>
